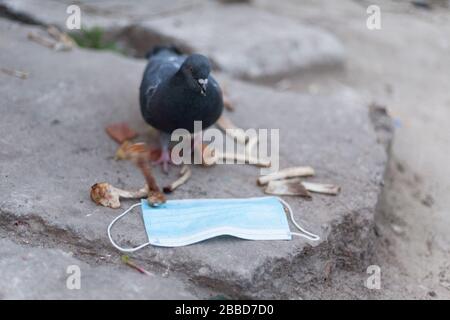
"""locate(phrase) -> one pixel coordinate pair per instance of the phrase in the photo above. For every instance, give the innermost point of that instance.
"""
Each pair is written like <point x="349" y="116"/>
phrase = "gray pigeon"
<point x="177" y="90"/>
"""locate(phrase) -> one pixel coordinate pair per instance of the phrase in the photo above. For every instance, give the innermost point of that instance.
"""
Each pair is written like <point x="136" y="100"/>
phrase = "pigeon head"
<point x="196" y="69"/>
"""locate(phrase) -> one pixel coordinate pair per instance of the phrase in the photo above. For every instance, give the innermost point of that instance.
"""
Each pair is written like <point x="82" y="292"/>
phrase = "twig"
<point x="58" y="42"/>
<point x="226" y="98"/>
<point x="228" y="104"/>
<point x="185" y="174"/>
<point x="210" y="156"/>
<point x="322" y="188"/>
<point x="155" y="196"/>
<point x="230" y="129"/>
<point x="46" y="42"/>
<point x="138" y="154"/>
<point x="245" y="159"/>
<point x="61" y="37"/>
<point x="125" y="259"/>
<point x="15" y="73"/>
<point x="286" y="173"/>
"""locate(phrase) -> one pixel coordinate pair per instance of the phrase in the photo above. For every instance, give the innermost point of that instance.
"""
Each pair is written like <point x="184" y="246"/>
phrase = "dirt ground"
<point x="404" y="67"/>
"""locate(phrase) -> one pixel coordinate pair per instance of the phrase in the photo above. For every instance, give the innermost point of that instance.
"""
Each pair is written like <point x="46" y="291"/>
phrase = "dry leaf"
<point x="120" y="132"/>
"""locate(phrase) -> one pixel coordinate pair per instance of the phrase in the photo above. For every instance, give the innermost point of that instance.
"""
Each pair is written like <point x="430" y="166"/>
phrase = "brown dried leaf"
<point x="120" y="132"/>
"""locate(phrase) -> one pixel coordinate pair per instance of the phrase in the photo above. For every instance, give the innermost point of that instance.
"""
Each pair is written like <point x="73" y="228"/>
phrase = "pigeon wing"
<point x="160" y="67"/>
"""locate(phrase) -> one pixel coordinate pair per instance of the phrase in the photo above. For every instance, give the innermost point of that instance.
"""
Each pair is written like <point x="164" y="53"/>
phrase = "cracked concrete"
<point x="53" y="148"/>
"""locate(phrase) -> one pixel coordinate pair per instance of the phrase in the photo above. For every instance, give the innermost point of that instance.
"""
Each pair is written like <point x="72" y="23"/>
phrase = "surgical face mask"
<point x="183" y="222"/>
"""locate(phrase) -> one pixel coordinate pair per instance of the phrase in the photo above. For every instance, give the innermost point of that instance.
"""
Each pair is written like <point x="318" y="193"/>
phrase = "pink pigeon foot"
<point x="164" y="160"/>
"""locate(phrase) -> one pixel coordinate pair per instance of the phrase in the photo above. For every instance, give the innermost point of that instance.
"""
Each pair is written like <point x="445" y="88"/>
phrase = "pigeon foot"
<point x="164" y="160"/>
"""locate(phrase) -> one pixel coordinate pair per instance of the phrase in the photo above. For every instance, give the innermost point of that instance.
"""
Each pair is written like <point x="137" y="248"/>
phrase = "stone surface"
<point x="34" y="273"/>
<point x="278" y="46"/>
<point x="106" y="14"/>
<point x="53" y="148"/>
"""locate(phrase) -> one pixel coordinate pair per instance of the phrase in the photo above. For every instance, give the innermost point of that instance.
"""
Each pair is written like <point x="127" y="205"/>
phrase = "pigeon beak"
<point x="203" y="83"/>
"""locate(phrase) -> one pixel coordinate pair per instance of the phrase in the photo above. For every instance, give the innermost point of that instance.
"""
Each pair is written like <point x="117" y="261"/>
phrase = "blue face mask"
<point x="183" y="222"/>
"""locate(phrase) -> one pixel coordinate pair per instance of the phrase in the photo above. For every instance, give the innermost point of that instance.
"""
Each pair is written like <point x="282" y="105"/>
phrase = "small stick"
<point x="138" y="154"/>
<point x="246" y="159"/>
<point x="15" y="73"/>
<point x="155" y="196"/>
<point x="226" y="98"/>
<point x="61" y="44"/>
<point x="125" y="259"/>
<point x="286" y="173"/>
<point x="230" y="129"/>
<point x="42" y="40"/>
<point x="228" y="104"/>
<point x="322" y="188"/>
<point x="212" y="156"/>
<point x="54" y="32"/>
<point x="185" y="174"/>
<point x="61" y="37"/>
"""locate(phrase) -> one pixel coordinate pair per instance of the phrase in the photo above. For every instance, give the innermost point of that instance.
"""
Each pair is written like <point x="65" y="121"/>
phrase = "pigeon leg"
<point x="164" y="159"/>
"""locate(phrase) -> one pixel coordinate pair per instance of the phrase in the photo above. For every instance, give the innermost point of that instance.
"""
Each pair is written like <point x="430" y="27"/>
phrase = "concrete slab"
<point x="250" y="43"/>
<point x="106" y="14"/>
<point x="35" y="273"/>
<point x="53" y="148"/>
<point x="242" y="40"/>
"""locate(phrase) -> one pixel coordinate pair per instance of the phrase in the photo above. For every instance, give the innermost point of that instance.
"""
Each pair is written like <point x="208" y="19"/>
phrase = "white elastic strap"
<point x="306" y="234"/>
<point x="114" y="221"/>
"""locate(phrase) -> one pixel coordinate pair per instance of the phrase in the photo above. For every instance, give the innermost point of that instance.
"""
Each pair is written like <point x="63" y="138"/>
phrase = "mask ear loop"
<point x="306" y="234"/>
<point x="111" y="225"/>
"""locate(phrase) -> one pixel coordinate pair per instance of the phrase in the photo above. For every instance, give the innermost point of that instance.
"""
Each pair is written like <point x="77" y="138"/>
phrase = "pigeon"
<point x="175" y="91"/>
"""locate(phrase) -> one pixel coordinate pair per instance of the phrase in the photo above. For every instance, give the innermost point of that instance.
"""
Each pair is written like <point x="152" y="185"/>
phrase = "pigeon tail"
<point x="159" y="48"/>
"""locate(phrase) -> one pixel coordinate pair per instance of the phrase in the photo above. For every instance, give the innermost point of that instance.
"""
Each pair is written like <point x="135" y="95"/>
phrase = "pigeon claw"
<point x="156" y="198"/>
<point x="164" y="160"/>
